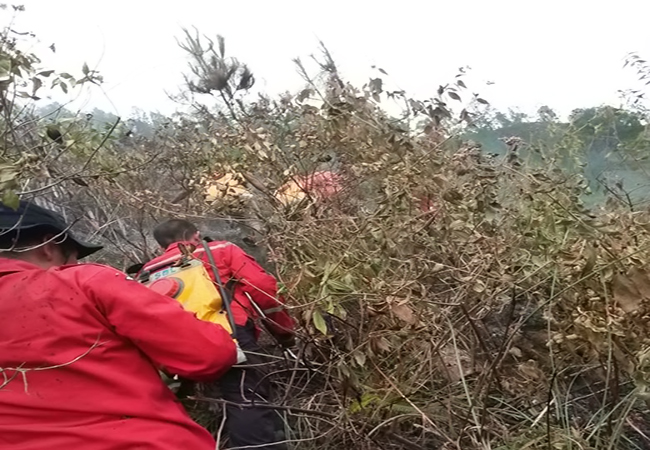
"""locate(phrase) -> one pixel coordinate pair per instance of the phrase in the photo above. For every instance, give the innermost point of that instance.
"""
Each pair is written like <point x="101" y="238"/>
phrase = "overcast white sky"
<point x="565" y="54"/>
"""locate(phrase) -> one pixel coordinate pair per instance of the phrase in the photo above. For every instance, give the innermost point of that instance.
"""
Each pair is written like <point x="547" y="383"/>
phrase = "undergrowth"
<point x="445" y="299"/>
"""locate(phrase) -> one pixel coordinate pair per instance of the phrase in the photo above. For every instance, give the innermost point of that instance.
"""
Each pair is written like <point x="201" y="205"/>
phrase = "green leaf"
<point x="11" y="199"/>
<point x="319" y="322"/>
<point x="5" y="68"/>
<point x="45" y="73"/>
<point x="85" y="69"/>
<point x="8" y="173"/>
<point x="366" y="400"/>
<point x="348" y="281"/>
<point x="330" y="306"/>
<point x="37" y="84"/>
<point x="16" y="71"/>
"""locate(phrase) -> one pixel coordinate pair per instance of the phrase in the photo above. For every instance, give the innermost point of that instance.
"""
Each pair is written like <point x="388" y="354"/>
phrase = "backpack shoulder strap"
<point x="224" y="294"/>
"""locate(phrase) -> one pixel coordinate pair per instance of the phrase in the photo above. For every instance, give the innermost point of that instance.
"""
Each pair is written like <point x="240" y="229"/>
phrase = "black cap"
<point x="30" y="216"/>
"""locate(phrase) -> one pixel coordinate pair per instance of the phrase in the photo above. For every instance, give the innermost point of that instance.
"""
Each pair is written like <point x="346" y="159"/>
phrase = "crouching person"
<point x="81" y="347"/>
<point x="251" y="290"/>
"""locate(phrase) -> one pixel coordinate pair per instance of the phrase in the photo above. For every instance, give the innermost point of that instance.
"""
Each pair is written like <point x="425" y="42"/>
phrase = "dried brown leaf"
<point x="380" y="344"/>
<point x="641" y="280"/>
<point x="403" y="312"/>
<point x="626" y="292"/>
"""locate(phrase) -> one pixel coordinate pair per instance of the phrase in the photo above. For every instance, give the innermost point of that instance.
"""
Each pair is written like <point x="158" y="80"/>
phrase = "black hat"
<point x="31" y="216"/>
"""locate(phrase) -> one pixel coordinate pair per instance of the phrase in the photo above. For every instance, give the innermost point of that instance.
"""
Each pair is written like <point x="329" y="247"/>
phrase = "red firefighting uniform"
<point x="80" y="350"/>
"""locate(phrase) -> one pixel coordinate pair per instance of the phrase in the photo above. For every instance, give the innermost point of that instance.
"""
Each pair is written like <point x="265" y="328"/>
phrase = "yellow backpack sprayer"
<point x="186" y="280"/>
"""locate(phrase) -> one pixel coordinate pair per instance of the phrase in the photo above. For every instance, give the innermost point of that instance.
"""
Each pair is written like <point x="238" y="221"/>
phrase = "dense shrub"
<point x="446" y="299"/>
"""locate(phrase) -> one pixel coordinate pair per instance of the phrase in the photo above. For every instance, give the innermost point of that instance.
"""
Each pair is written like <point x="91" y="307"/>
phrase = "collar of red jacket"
<point x="171" y="251"/>
<point x="8" y="265"/>
<point x="175" y="245"/>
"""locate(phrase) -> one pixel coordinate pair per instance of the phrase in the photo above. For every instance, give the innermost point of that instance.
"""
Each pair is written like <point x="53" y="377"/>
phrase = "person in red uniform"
<point x="246" y="280"/>
<point x="80" y="357"/>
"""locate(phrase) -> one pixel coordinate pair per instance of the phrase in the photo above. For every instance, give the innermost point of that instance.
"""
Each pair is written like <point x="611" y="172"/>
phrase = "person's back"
<point x="80" y="349"/>
<point x="250" y="281"/>
<point x="247" y="384"/>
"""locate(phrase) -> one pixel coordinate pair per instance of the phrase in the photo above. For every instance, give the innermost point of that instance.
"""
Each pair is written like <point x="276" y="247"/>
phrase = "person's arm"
<point x="171" y="337"/>
<point x="263" y="290"/>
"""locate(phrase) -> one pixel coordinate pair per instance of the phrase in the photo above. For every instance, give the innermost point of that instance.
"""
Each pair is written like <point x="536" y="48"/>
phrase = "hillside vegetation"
<point x="447" y="299"/>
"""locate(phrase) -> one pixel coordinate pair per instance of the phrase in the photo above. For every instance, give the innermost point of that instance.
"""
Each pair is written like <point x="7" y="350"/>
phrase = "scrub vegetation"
<point x="448" y="297"/>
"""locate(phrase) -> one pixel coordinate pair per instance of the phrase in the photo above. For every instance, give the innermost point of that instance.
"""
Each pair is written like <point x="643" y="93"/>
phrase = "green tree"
<point x="38" y="146"/>
<point x="607" y="122"/>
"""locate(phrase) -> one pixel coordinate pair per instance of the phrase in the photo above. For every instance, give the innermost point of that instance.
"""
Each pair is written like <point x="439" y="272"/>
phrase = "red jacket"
<point x="80" y="349"/>
<point x="233" y="263"/>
